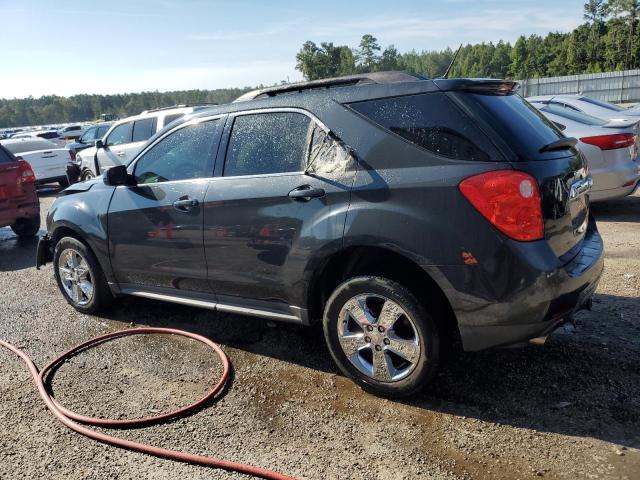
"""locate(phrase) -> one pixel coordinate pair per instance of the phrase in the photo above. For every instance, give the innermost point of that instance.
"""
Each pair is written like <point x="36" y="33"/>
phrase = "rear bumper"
<point x="528" y="298"/>
<point x="26" y="206"/>
<point x="615" y="183"/>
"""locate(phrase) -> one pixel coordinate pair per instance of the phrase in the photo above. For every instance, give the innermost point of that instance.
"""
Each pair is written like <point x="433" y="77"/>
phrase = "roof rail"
<point x="171" y="107"/>
<point x="326" y="83"/>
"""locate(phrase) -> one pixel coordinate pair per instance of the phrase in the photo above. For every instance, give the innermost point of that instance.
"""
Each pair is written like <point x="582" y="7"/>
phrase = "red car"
<point x="19" y="205"/>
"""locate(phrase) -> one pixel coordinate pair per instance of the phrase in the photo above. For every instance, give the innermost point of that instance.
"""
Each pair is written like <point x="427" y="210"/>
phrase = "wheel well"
<point x="356" y="261"/>
<point x="62" y="232"/>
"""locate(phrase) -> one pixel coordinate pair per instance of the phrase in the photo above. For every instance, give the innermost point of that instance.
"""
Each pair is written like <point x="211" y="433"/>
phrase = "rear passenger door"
<point x="264" y="218"/>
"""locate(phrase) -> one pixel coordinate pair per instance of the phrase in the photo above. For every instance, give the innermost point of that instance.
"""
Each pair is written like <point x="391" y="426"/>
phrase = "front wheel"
<point x="26" y="227"/>
<point x="80" y="277"/>
<point x="381" y="336"/>
<point x="87" y="175"/>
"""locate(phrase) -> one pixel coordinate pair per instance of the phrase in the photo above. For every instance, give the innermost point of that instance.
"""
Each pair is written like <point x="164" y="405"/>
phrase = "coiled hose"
<point x="71" y="419"/>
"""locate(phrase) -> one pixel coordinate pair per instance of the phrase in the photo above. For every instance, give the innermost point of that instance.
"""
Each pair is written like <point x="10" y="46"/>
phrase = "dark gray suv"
<point x="404" y="213"/>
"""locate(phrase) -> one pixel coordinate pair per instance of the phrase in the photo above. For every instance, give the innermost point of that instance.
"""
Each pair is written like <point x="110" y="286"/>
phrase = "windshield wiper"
<point x="560" y="144"/>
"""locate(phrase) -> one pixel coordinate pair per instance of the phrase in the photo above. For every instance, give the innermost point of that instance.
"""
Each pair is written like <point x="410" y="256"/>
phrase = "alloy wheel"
<point x="76" y="276"/>
<point x="378" y="337"/>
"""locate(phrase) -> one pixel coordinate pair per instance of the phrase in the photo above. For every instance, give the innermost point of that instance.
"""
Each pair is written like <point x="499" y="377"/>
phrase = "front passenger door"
<point x="155" y="227"/>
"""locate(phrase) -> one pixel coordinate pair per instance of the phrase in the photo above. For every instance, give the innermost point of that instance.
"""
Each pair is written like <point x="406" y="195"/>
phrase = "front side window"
<point x="143" y="129"/>
<point x="184" y="154"/>
<point x="267" y="143"/>
<point x="120" y="135"/>
<point x="430" y="121"/>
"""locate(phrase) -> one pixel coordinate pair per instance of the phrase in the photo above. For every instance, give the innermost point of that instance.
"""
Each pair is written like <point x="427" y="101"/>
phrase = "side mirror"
<point x="99" y="144"/>
<point x="118" y="176"/>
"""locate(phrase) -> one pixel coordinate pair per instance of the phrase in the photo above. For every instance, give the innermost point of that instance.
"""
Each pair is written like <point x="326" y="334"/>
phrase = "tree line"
<point x="53" y="109"/>
<point x="608" y="40"/>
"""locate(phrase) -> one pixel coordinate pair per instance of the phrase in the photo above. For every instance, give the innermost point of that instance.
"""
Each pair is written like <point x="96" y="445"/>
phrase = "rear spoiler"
<point x="487" y="86"/>
<point x="560" y="144"/>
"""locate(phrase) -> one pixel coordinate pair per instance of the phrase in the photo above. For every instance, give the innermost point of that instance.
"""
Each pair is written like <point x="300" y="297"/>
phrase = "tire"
<point x="394" y="349"/>
<point x="26" y="227"/>
<point x="80" y="266"/>
<point x="63" y="182"/>
<point x="86" y="175"/>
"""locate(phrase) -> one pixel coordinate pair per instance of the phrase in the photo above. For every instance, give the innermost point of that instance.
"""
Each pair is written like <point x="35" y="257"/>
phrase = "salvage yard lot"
<point x="570" y="409"/>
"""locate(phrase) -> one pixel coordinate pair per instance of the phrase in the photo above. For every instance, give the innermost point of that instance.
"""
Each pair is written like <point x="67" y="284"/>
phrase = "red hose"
<point x="67" y="417"/>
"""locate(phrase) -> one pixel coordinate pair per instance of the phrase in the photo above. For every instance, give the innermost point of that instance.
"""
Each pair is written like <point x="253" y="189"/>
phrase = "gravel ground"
<point x="570" y="409"/>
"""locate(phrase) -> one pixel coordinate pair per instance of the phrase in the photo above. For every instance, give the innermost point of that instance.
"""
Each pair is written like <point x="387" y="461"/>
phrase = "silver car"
<point x="590" y="106"/>
<point x="611" y="148"/>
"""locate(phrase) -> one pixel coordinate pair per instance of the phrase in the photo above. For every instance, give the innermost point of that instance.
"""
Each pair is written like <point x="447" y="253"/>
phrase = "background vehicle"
<point x="588" y="105"/>
<point x="611" y="148"/>
<point x="51" y="135"/>
<point x="70" y="132"/>
<point x="19" y="205"/>
<point x="49" y="162"/>
<point x="89" y="137"/>
<point x="374" y="203"/>
<point x="124" y="139"/>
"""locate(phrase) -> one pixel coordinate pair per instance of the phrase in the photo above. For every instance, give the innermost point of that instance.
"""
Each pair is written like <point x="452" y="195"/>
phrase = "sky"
<point x="68" y="47"/>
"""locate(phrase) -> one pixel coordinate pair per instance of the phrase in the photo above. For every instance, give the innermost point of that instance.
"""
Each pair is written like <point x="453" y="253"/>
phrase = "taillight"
<point x="611" y="142"/>
<point x="510" y="200"/>
<point x="72" y="155"/>
<point x="26" y="172"/>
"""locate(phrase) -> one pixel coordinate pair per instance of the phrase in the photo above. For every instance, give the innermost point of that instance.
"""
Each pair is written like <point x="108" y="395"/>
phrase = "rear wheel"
<point x="381" y="336"/>
<point x="26" y="227"/>
<point x="79" y="276"/>
<point x="63" y="182"/>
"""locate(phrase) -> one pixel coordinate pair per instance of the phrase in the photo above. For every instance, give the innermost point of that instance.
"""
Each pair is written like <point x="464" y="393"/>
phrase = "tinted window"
<point x="267" y="143"/>
<point x="579" y="117"/>
<point x="4" y="156"/>
<point x="143" y="129"/>
<point x="48" y="135"/>
<point x="432" y="122"/>
<point x="170" y="118"/>
<point x="520" y="125"/>
<point x="183" y="154"/>
<point x="102" y="131"/>
<point x="120" y="134"/>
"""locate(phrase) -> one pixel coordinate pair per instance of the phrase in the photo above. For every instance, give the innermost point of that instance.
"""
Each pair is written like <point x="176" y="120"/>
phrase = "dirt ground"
<point x="569" y="409"/>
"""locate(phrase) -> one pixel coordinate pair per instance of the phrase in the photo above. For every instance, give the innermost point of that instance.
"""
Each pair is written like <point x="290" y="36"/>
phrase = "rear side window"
<point x="102" y="131"/>
<point x="170" y="118"/>
<point x="432" y="122"/>
<point x="267" y="143"/>
<point x="4" y="156"/>
<point x="520" y="125"/>
<point x="143" y="129"/>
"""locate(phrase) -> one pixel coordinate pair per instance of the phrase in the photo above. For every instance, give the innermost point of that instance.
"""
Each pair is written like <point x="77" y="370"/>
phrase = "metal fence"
<point x="615" y="87"/>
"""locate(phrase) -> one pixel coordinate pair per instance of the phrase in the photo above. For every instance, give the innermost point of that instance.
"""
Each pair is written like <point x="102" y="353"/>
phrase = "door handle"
<point x="120" y="154"/>
<point x="184" y="204"/>
<point x="306" y="193"/>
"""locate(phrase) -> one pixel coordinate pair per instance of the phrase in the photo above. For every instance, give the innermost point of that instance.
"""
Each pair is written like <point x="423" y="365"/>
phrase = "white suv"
<point x="123" y="140"/>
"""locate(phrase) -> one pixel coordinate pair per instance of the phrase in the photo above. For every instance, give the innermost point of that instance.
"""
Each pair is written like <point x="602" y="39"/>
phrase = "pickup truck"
<point x="49" y="163"/>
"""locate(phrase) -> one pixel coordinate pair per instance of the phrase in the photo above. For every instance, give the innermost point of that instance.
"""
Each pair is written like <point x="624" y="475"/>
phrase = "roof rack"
<point x="326" y="83"/>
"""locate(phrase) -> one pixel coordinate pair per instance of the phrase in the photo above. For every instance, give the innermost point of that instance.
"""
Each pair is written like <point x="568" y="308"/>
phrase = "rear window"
<point x="608" y="106"/>
<point x="431" y="121"/>
<point x="575" y="116"/>
<point x="520" y="125"/>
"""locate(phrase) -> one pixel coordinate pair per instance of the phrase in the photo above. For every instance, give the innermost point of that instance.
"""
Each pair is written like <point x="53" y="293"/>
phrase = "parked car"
<point x="71" y="132"/>
<point x="19" y="205"/>
<point x="404" y="213"/>
<point x="611" y="149"/>
<point x="51" y="135"/>
<point x="123" y="140"/>
<point x="49" y="162"/>
<point x="89" y="137"/>
<point x="590" y="106"/>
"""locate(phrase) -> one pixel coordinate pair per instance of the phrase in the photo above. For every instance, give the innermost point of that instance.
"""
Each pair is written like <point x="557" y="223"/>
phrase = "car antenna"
<point x="453" y="60"/>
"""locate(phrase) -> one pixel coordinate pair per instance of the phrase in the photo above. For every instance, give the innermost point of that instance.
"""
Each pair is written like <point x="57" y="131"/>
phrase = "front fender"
<point x="85" y="214"/>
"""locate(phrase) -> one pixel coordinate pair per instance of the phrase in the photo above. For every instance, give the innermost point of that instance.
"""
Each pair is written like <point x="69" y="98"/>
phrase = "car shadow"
<point x="583" y="382"/>
<point x="16" y="253"/>
<point x="625" y="209"/>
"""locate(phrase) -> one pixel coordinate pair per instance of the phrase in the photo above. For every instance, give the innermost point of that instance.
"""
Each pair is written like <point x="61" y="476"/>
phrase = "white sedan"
<point x="49" y="163"/>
